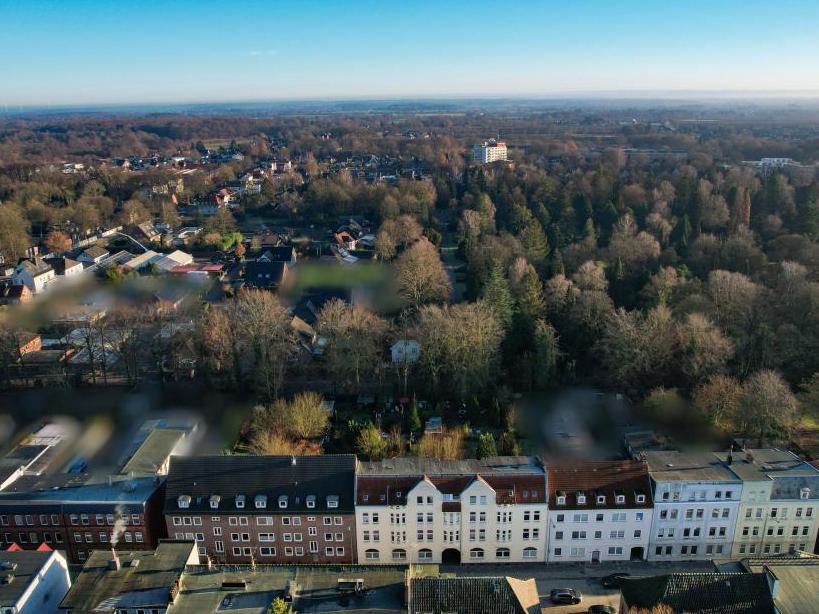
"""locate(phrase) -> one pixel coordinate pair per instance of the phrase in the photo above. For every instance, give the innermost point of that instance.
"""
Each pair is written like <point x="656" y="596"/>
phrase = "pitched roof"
<point x="296" y="477"/>
<point x="95" y="252"/>
<point x="591" y="479"/>
<point x="491" y="595"/>
<point x="280" y="253"/>
<point x="35" y="266"/>
<point x="717" y="593"/>
<point x="60" y="264"/>
<point x="265" y="274"/>
<point x="153" y="452"/>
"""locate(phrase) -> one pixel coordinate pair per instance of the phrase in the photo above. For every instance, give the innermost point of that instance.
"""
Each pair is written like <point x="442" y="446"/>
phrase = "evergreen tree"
<point x="497" y="296"/>
<point x="548" y="354"/>
<point x="486" y="446"/>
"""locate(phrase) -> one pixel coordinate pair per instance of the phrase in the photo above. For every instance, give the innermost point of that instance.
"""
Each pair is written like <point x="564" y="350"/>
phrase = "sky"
<point x="85" y="52"/>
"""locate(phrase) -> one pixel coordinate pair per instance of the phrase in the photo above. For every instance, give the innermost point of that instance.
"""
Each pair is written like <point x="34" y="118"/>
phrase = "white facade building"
<point x="780" y="503"/>
<point x="598" y="511"/>
<point x="489" y="151"/>
<point x="414" y="510"/>
<point x="37" y="582"/>
<point x="696" y="502"/>
<point x="35" y="273"/>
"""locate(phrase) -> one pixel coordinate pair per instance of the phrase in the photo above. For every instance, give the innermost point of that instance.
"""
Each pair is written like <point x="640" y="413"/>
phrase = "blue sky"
<point x="130" y="51"/>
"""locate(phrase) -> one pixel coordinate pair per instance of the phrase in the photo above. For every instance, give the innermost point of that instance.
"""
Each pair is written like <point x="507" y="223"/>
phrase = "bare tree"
<point x="421" y="276"/>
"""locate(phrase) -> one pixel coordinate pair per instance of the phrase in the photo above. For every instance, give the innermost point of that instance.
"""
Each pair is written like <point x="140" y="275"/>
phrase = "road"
<point x="582" y="577"/>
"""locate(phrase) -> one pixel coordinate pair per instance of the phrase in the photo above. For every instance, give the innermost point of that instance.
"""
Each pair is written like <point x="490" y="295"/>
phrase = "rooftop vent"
<point x="7" y="578"/>
<point x="134" y="563"/>
<point x="332" y="501"/>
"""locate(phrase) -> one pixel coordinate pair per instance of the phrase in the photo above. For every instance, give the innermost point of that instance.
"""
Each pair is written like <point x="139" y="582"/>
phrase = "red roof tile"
<point x="606" y="478"/>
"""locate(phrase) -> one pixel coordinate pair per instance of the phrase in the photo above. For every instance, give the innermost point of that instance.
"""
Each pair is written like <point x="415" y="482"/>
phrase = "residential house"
<point x="149" y="232"/>
<point x="417" y="510"/>
<point x="599" y="511"/>
<point x="93" y="255"/>
<point x="262" y="274"/>
<point x="130" y="582"/>
<point x="267" y="509"/>
<point x="279" y="253"/>
<point x="344" y="240"/>
<point x="732" y="593"/>
<point x="224" y="197"/>
<point x="32" y="582"/>
<point x="35" y="273"/>
<point x="65" y="267"/>
<point x="696" y="502"/>
<point x="405" y="351"/>
<point x="779" y="505"/>
<point x="15" y="294"/>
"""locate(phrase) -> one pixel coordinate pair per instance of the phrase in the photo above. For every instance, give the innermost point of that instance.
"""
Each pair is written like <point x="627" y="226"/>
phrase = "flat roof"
<point x="203" y="589"/>
<point x="153" y="452"/>
<point x="767" y="464"/>
<point x="798" y="579"/>
<point x="24" y="565"/>
<point x="411" y="465"/>
<point x="146" y="584"/>
<point x="136" y="490"/>
<point x="671" y="465"/>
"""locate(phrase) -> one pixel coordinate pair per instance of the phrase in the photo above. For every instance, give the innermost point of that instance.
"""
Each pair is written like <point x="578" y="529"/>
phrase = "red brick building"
<point x="69" y="513"/>
<point x="267" y="509"/>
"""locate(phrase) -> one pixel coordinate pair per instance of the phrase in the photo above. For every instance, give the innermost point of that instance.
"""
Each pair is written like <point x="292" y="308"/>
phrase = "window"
<point x="372" y="554"/>
<point x="399" y="554"/>
<point x="530" y="553"/>
<point x="502" y="553"/>
<point x="559" y="518"/>
<point x="476" y="554"/>
<point x="558" y="552"/>
<point x="425" y="554"/>
<point x="558" y="534"/>
<point x="616" y="550"/>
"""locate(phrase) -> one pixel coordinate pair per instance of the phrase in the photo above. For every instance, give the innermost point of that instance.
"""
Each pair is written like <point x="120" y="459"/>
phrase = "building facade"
<point x="264" y="509"/>
<point x="779" y="504"/>
<point x="78" y="518"/>
<point x="489" y="151"/>
<point x="413" y="510"/>
<point x="599" y="511"/>
<point x="696" y="502"/>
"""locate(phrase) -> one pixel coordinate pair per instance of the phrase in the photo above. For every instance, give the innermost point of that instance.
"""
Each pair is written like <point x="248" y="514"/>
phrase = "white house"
<point x="416" y="510"/>
<point x="779" y="506"/>
<point x="93" y="255"/>
<point x="65" y="267"/>
<point x="35" y="273"/>
<point x="489" y="151"/>
<point x="696" y="502"/>
<point x="599" y="511"/>
<point x="33" y="582"/>
<point x="405" y="351"/>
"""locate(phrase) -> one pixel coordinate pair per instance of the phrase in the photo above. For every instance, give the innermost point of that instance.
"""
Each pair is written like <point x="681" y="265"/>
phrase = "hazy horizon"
<point x="90" y="52"/>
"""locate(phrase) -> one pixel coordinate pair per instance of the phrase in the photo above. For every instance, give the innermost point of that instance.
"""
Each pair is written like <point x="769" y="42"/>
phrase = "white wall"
<point x="47" y="590"/>
<point x="598" y="540"/>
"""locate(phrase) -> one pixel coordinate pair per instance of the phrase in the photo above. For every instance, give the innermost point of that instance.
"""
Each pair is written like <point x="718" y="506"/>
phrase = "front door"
<point x="596" y="556"/>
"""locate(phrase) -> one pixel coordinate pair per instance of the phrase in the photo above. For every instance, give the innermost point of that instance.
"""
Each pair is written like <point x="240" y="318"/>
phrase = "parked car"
<point x="565" y="596"/>
<point x="613" y="580"/>
<point x="602" y="609"/>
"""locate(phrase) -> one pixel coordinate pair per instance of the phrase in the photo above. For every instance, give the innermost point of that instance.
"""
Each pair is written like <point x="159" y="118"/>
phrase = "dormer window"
<point x="641" y="498"/>
<point x="561" y="497"/>
<point x="240" y="502"/>
<point x="184" y="501"/>
<point x="601" y="499"/>
<point x="214" y="502"/>
<point x="260" y="501"/>
<point x="283" y="502"/>
<point x="332" y="501"/>
<point x="804" y="493"/>
<point x="620" y="499"/>
<point x="581" y="499"/>
<point x="311" y="501"/>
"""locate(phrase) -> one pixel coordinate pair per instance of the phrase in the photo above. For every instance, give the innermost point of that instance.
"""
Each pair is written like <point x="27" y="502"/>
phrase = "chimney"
<point x="114" y="564"/>
<point x="293" y="461"/>
<point x="730" y="458"/>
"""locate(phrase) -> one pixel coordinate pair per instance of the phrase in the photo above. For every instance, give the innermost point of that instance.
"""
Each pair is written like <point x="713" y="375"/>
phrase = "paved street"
<point x="582" y="577"/>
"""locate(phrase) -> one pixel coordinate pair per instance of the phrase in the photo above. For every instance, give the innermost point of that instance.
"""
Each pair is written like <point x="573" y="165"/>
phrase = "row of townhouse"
<point x="666" y="505"/>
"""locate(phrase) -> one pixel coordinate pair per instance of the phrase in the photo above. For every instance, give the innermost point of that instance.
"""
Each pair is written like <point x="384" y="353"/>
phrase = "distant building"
<point x="489" y="151"/>
<point x="267" y="509"/>
<point x="32" y="582"/>
<point x="405" y="351"/>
